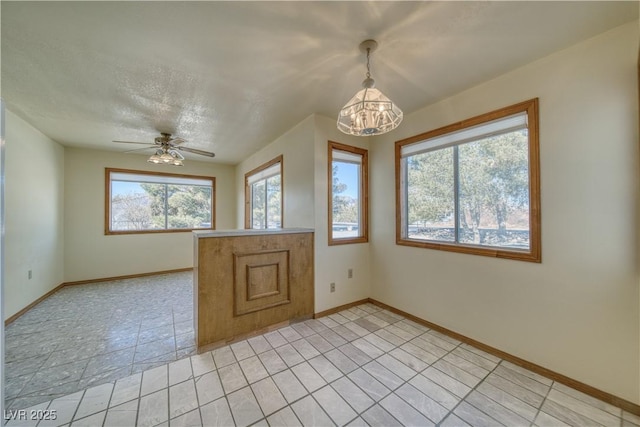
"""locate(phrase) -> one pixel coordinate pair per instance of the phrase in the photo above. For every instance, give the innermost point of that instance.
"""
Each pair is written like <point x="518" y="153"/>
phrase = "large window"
<point x="263" y="196"/>
<point x="473" y="186"/>
<point x="150" y="202"/>
<point x="348" y="194"/>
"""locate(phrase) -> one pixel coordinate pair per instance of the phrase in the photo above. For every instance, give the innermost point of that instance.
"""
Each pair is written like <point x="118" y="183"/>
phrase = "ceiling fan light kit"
<point x="169" y="157"/>
<point x="369" y="112"/>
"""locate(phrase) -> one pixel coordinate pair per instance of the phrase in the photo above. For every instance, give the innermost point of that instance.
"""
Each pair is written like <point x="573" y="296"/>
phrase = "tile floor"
<point x="91" y="334"/>
<point x="362" y="366"/>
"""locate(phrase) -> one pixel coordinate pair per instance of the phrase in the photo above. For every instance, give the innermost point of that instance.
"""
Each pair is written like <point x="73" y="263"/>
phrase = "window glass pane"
<point x="346" y="200"/>
<point x="484" y="130"/>
<point x="494" y="191"/>
<point x="272" y="170"/>
<point x="274" y="218"/>
<point x="132" y="206"/>
<point x="156" y="194"/>
<point x="430" y="196"/>
<point x="348" y="194"/>
<point x="141" y="206"/>
<point x="263" y="203"/>
<point x="189" y="206"/>
<point x="258" y="214"/>
<point x="473" y="186"/>
<point x="159" y="179"/>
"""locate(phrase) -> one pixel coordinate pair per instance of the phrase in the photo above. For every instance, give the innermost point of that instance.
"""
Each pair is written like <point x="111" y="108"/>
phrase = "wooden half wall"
<point x="248" y="280"/>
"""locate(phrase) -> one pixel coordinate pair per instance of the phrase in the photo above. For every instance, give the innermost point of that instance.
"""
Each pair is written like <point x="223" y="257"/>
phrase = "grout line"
<point x="377" y="403"/>
<point x="448" y="351"/>
<point x="463" y="399"/>
<point x="77" y="407"/>
<point x="138" y="402"/>
<point x="350" y="380"/>
<point x="340" y="348"/>
<point x="542" y="403"/>
<point x="168" y="393"/>
<point x="193" y="378"/>
<point x="253" y="393"/>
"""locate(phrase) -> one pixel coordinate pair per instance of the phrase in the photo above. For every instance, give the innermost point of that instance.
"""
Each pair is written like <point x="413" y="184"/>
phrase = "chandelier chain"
<point x="368" y="67"/>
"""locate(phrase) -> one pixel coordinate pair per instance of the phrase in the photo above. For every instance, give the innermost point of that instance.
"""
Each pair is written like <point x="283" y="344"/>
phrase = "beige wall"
<point x="34" y="209"/>
<point x="577" y="312"/>
<point x="333" y="262"/>
<point x="296" y="147"/>
<point x="90" y="254"/>
<point x="304" y="150"/>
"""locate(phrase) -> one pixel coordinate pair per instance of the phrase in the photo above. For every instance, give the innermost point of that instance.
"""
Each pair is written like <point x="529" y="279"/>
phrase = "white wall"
<point x="333" y="262"/>
<point x="90" y="254"/>
<point x="577" y="312"/>
<point x="34" y="209"/>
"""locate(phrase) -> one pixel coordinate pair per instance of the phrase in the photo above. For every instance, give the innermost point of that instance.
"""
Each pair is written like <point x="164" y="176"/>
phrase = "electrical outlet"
<point x="350" y="273"/>
<point x="332" y="287"/>
<point x="30" y="274"/>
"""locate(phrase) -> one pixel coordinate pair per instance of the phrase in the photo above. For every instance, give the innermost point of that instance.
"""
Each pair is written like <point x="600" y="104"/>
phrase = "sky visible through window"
<point x="119" y="188"/>
<point x="348" y="174"/>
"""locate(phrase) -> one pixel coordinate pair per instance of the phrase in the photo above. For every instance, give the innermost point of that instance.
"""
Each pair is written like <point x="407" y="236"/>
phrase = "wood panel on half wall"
<point x="248" y="280"/>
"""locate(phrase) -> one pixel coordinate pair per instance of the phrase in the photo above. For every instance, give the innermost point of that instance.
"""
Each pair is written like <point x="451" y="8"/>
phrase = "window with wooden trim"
<point x="151" y="202"/>
<point x="473" y="186"/>
<point x="263" y="196"/>
<point x="348" y="194"/>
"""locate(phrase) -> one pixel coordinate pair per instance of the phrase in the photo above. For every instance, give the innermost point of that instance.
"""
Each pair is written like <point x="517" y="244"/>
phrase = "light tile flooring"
<point x="362" y="366"/>
<point x="91" y="334"/>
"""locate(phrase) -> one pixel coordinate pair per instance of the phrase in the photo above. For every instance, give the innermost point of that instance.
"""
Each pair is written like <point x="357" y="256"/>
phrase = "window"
<point x="348" y="194"/>
<point x="473" y="186"/>
<point x="263" y="196"/>
<point x="150" y="202"/>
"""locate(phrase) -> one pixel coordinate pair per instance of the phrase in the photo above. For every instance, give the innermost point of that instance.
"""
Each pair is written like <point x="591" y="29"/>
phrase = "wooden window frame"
<point x="247" y="190"/>
<point x="364" y="194"/>
<point x="107" y="201"/>
<point x="534" y="254"/>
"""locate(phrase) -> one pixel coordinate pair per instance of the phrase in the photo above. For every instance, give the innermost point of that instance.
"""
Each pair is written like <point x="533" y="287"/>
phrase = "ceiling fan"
<point x="167" y="149"/>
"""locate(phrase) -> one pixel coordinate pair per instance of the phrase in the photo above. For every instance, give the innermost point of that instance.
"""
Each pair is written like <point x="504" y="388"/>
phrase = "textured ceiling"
<point x="230" y="77"/>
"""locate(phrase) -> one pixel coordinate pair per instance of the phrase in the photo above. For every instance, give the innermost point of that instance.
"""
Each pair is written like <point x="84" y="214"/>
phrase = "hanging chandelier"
<point x="369" y="112"/>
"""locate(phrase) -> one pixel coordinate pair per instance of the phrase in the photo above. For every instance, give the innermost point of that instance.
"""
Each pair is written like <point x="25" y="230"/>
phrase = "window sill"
<point x="520" y="255"/>
<point x="348" y="241"/>
<point x="181" y="230"/>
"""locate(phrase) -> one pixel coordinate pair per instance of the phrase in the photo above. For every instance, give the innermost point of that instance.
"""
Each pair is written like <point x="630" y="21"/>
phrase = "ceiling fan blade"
<point x="138" y="149"/>
<point x="177" y="141"/>
<point x="135" y="142"/>
<point x="195" y="151"/>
